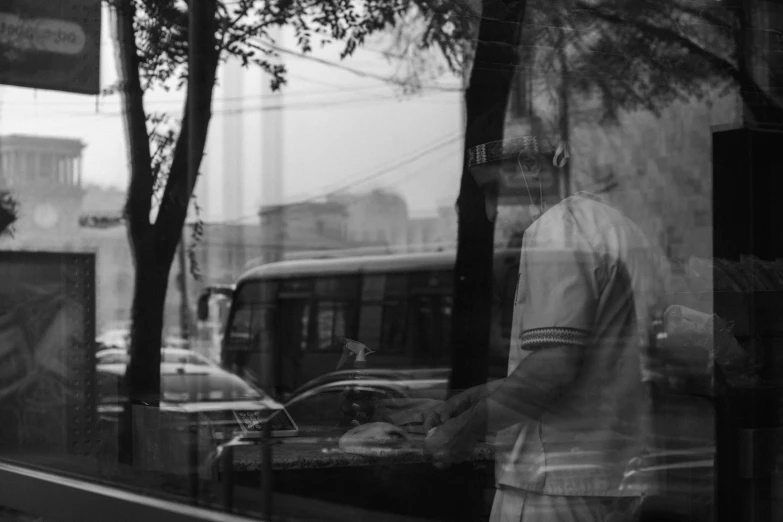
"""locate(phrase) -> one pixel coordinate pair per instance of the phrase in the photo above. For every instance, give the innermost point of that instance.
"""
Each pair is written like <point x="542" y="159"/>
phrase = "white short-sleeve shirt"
<point x="588" y="278"/>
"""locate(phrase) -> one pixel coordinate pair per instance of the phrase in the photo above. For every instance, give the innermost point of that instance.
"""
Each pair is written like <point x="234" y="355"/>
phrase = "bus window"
<point x="431" y="321"/>
<point x="293" y="328"/>
<point x="256" y="293"/>
<point x="370" y="325"/>
<point x="371" y="314"/>
<point x="445" y="322"/>
<point x="239" y="330"/>
<point x="346" y="287"/>
<point x="423" y="327"/>
<point x="394" y="334"/>
<point x="333" y="319"/>
<point x="372" y="288"/>
<point x="396" y="285"/>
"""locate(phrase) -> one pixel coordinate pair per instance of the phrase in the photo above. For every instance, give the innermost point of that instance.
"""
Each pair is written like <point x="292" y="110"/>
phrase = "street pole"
<point x="184" y="311"/>
<point x="564" y="116"/>
<point x="194" y="101"/>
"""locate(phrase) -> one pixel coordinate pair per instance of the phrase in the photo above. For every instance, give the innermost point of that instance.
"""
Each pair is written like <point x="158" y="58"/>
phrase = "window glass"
<point x="333" y="321"/>
<point x="188" y="387"/>
<point x="394" y="329"/>
<point x="326" y="319"/>
<point x="112" y="358"/>
<point x="382" y="205"/>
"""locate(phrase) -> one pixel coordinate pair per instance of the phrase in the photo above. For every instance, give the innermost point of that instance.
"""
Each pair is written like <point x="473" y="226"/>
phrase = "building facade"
<point x="44" y="175"/>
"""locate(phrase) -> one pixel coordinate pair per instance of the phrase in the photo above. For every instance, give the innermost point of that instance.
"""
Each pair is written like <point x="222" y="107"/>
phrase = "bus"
<point x="285" y="317"/>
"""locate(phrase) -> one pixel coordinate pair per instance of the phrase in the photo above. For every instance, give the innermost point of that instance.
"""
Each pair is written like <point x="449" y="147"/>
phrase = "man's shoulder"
<point x="575" y="218"/>
<point x="585" y="222"/>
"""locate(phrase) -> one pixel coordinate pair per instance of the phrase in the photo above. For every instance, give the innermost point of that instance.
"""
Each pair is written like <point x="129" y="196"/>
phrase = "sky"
<point x="333" y="130"/>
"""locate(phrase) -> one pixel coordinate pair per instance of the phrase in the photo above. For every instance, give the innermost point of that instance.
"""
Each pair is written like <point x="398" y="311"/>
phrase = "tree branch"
<point x="179" y="187"/>
<point x="764" y="108"/>
<point x="139" y="201"/>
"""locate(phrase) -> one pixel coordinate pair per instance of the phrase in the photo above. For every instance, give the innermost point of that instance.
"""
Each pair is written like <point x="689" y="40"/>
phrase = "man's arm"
<point x="457" y="404"/>
<point x="530" y="390"/>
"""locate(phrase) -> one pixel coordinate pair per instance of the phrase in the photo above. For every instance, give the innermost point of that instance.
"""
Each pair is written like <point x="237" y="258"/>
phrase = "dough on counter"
<point x="376" y="439"/>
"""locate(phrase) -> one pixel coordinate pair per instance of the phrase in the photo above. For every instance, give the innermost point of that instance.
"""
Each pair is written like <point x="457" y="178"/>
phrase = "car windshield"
<point x="182" y="356"/>
<point x="113" y="358"/>
<point x="167" y="356"/>
<point x="204" y="387"/>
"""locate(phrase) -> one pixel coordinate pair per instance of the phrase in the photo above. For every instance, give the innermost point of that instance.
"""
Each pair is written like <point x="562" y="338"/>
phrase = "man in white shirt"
<point x="572" y="411"/>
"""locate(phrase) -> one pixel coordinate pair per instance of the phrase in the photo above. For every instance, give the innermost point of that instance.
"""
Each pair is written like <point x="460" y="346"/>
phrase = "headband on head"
<point x="513" y="148"/>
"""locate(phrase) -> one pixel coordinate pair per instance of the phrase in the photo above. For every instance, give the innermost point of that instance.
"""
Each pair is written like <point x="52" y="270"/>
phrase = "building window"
<point x="123" y="284"/>
<point x="230" y="260"/>
<point x="47" y="169"/>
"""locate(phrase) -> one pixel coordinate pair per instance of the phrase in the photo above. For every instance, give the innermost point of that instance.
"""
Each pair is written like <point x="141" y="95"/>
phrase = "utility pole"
<point x="564" y="120"/>
<point x="184" y="311"/>
<point x="196" y="99"/>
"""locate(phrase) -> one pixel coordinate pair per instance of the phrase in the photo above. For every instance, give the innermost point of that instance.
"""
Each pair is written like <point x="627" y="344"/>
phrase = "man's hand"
<point x="457" y="405"/>
<point x="447" y="410"/>
<point x="452" y="442"/>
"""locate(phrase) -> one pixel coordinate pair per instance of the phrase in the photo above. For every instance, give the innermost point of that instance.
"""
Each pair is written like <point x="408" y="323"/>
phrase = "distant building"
<point x="439" y="232"/>
<point x="352" y="224"/>
<point x="224" y="252"/>
<point x="44" y="175"/>
<point x="305" y="229"/>
<point x="378" y="217"/>
<point x="114" y="262"/>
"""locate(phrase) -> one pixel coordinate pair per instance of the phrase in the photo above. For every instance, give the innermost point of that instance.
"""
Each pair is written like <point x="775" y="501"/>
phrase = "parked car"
<point x="328" y="400"/>
<point x="168" y="356"/>
<point x="197" y="395"/>
<point x="115" y="338"/>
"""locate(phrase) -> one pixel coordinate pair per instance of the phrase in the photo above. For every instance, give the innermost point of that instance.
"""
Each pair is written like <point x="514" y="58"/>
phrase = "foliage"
<point x="617" y="54"/>
<point x="9" y="212"/>
<point x="246" y="30"/>
<point x="153" y="48"/>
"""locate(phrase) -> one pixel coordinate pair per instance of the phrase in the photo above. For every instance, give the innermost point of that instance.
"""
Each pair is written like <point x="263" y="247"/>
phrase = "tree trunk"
<point x="154" y="245"/>
<point x="142" y="376"/>
<point x="486" y="100"/>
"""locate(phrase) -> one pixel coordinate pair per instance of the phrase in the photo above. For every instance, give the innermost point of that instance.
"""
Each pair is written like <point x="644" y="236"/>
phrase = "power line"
<point x="416" y="172"/>
<point x="91" y="103"/>
<point x="326" y="104"/>
<point x="383" y="165"/>
<point x="376" y="174"/>
<point x="357" y="72"/>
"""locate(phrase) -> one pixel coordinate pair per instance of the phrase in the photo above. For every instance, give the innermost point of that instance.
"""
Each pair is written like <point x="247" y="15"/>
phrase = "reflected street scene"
<point x="413" y="260"/>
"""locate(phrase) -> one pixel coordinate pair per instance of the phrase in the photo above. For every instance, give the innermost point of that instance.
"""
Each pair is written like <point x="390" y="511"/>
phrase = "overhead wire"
<point x="383" y="165"/>
<point x="216" y="99"/>
<point x="325" y="104"/>
<point x="377" y="174"/>
<point x="352" y="70"/>
<point x="345" y="185"/>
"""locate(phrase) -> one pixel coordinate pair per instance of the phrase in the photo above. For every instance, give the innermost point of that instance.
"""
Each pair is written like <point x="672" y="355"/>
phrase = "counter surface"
<point x="319" y="449"/>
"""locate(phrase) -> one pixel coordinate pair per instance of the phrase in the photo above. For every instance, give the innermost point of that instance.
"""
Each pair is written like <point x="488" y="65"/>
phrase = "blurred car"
<point x="197" y="395"/>
<point x="329" y="401"/>
<point x="115" y="338"/>
<point x="175" y="342"/>
<point x="414" y="383"/>
<point x="167" y="355"/>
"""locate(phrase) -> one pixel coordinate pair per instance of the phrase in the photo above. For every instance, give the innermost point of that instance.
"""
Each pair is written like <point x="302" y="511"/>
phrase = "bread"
<point x="376" y="439"/>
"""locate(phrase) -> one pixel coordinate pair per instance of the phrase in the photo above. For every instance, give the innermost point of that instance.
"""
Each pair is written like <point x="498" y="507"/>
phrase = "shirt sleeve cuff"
<point x="537" y="337"/>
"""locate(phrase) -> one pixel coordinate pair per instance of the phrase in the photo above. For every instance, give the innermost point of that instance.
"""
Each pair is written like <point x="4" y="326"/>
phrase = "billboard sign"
<point x="47" y="352"/>
<point x="55" y="45"/>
